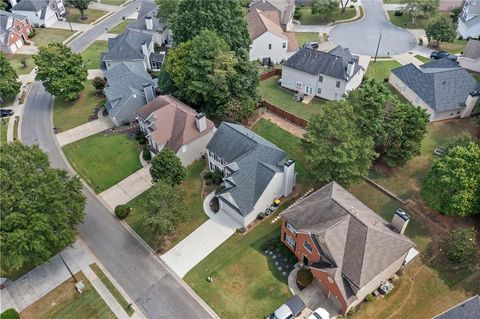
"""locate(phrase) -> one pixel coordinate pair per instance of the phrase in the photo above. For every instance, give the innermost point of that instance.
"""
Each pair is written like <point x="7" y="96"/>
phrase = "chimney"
<point x="149" y="92"/>
<point x="470" y="103"/>
<point x="201" y="122"/>
<point x="13" y="2"/>
<point x="288" y="177"/>
<point x="146" y="54"/>
<point x="350" y="68"/>
<point x="400" y="220"/>
<point x="149" y="22"/>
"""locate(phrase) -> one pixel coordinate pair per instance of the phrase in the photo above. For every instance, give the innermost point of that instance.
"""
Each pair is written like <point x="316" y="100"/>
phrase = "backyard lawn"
<point x="103" y="160"/>
<point x="422" y="58"/>
<point x="192" y="185"/>
<point x="67" y="115"/>
<point x="303" y="37"/>
<point x="16" y="62"/>
<point x="309" y="18"/>
<point x="380" y="70"/>
<point x="91" y="14"/>
<point x="283" y="99"/>
<point x="91" y="56"/>
<point x="65" y="302"/>
<point x="44" y="36"/>
<point x="113" y="2"/>
<point x="122" y="26"/>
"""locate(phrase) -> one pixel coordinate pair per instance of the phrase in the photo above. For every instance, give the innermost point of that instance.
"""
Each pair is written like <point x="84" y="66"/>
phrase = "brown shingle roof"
<point x="173" y="122"/>
<point x="258" y="23"/>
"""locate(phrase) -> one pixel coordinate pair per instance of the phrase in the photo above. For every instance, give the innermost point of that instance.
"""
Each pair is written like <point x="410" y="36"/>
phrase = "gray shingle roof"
<point x="333" y="63"/>
<point x="4" y="15"/>
<point x="442" y="84"/>
<point x="358" y="244"/>
<point x="30" y="5"/>
<point x="469" y="309"/>
<point x="472" y="50"/>
<point x="147" y="8"/>
<point x="127" y="46"/>
<point x="254" y="160"/>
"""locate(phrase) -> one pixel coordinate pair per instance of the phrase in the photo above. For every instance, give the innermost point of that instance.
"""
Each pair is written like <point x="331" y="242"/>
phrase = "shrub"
<point x="460" y="246"/>
<point x="99" y="83"/>
<point x="297" y="15"/>
<point x="304" y="278"/>
<point x="122" y="211"/>
<point x="460" y="38"/>
<point x="351" y="312"/>
<point x="369" y="298"/>
<point x="146" y="154"/>
<point x="10" y="314"/>
<point x="142" y="141"/>
<point x="398" y="13"/>
<point x="217" y="177"/>
<point x="208" y="175"/>
<point x="32" y="33"/>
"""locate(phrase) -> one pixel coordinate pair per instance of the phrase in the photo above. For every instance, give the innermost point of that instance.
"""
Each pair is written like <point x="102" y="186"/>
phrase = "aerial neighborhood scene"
<point x="277" y="159"/>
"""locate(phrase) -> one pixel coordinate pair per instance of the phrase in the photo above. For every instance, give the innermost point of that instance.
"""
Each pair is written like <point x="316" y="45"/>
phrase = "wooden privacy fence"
<point x="284" y="114"/>
<point x="270" y="73"/>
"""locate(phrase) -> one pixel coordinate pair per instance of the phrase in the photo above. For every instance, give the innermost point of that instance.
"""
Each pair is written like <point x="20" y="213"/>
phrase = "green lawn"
<point x="192" y="185"/>
<point x="3" y="131"/>
<point x="283" y="99"/>
<point x="67" y="115"/>
<point x="104" y="160"/>
<point x="44" y="37"/>
<point x="303" y="37"/>
<point x="91" y="14"/>
<point x="113" y="2"/>
<point x="116" y="294"/>
<point x="65" y="302"/>
<point x="456" y="47"/>
<point x="422" y="58"/>
<point x="15" y="61"/>
<point x="91" y="56"/>
<point x="405" y="21"/>
<point x="380" y="70"/>
<point x="122" y="26"/>
<point x="309" y="18"/>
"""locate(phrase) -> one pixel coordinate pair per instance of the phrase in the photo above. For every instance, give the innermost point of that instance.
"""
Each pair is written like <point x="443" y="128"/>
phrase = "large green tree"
<point x="225" y="17"/>
<point x="166" y="11"/>
<point x="441" y="29"/>
<point x="165" y="207"/>
<point x="39" y="207"/>
<point x="453" y="184"/>
<point x="3" y="4"/>
<point x="81" y="5"/>
<point x="334" y="146"/>
<point x="167" y="167"/>
<point x="62" y="71"/>
<point x="324" y="8"/>
<point x="9" y="84"/>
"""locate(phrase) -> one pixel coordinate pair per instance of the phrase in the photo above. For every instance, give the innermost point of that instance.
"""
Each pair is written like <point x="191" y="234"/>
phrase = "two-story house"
<point x="147" y="22"/>
<point x="256" y="172"/>
<point x="169" y="123"/>
<point x="270" y="44"/>
<point x="328" y="75"/>
<point x="14" y="31"/>
<point x="41" y="13"/>
<point x="469" y="19"/>
<point x="283" y="9"/>
<point x="349" y="249"/>
<point x="470" y="58"/>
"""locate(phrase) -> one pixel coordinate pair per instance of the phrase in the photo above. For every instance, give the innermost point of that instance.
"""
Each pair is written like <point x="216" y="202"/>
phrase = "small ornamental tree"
<point x="441" y="29"/>
<point x="324" y="8"/>
<point x="122" y="211"/>
<point x="167" y="167"/>
<point x="9" y="84"/>
<point x="81" y="5"/>
<point x="99" y="84"/>
<point x="461" y="245"/>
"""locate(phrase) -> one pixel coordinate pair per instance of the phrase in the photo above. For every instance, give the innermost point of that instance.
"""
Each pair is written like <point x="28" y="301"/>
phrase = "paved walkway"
<point x="407" y="58"/>
<point x="84" y="130"/>
<point x="200" y="243"/>
<point x="94" y="73"/>
<point x="75" y="26"/>
<point x="128" y="189"/>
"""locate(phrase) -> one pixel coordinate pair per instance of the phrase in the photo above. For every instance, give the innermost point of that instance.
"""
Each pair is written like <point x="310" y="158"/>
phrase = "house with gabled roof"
<point x="14" y="31"/>
<point x="255" y="171"/>
<point x="169" y="123"/>
<point x="470" y="58"/>
<point x="441" y="87"/>
<point x="468" y="309"/>
<point x="147" y="22"/>
<point x="349" y="249"/>
<point x="270" y="44"/>
<point x="469" y="20"/>
<point x="41" y="13"/>
<point x="328" y="75"/>
<point x="283" y="10"/>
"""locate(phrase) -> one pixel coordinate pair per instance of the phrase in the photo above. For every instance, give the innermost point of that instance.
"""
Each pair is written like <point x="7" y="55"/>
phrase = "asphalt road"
<point x="362" y="36"/>
<point x="158" y="292"/>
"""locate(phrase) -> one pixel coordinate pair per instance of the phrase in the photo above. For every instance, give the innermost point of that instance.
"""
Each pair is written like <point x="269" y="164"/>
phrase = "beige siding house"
<point x="470" y="58"/>
<point x="282" y="9"/>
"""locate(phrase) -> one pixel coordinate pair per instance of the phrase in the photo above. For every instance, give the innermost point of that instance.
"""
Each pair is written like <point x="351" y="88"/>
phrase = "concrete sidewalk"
<point x="104" y="7"/>
<point x="200" y="243"/>
<point x="407" y="58"/>
<point x="75" y="26"/>
<point x="84" y="130"/>
<point x="128" y="189"/>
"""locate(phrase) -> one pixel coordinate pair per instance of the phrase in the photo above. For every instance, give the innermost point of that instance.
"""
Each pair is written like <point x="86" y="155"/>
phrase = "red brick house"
<point x="349" y="249"/>
<point x="14" y="31"/>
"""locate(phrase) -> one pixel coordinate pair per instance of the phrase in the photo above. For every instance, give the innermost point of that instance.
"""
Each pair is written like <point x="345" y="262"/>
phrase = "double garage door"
<point x="17" y="45"/>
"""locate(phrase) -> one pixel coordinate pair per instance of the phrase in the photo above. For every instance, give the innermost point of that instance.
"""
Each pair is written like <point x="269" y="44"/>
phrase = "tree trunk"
<point x="82" y="16"/>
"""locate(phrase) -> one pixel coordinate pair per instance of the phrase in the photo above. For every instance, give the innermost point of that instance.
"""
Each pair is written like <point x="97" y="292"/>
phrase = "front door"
<point x="305" y="260"/>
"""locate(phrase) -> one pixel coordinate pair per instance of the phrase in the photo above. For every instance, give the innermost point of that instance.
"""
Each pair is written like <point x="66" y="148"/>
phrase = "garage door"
<point x="19" y="43"/>
<point x="13" y="48"/>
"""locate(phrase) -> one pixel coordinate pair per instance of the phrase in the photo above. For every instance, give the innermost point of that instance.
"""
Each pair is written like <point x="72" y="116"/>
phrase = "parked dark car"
<point x="443" y="54"/>
<point x="6" y="112"/>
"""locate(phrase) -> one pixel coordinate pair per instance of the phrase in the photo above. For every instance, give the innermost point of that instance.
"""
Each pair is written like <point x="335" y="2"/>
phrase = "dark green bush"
<point x="369" y="298"/>
<point x="304" y="278"/>
<point x="122" y="211"/>
<point x="142" y="141"/>
<point x="208" y="175"/>
<point x="146" y="154"/>
<point x="10" y="314"/>
<point x="217" y="177"/>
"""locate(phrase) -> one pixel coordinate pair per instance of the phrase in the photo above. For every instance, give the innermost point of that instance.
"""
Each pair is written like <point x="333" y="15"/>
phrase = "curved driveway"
<point x="361" y="37"/>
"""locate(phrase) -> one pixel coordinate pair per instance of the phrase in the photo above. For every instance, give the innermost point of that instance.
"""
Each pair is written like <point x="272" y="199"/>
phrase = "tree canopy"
<point x="66" y="76"/>
<point x="453" y="184"/>
<point x="334" y="146"/>
<point x="9" y="84"/>
<point x="461" y="245"/>
<point x="324" y="8"/>
<point x="441" y="29"/>
<point x="166" y="11"/>
<point x="81" y="5"/>
<point x="167" y="167"/>
<point x="39" y="206"/>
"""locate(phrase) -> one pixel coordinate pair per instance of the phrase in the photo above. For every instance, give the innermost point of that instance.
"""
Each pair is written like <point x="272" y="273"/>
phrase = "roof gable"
<point x="30" y="5"/>
<point x="472" y="50"/>
<point x="127" y="46"/>
<point x="468" y="309"/>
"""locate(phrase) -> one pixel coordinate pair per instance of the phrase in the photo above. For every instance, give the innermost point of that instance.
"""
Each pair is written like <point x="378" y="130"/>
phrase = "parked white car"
<point x="320" y="313"/>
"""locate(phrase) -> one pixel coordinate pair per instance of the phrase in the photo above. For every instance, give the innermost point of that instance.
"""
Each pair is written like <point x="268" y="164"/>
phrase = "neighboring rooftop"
<point x="442" y="83"/>
<point x="469" y="309"/>
<point x="333" y="63"/>
<point x="4" y="15"/>
<point x="472" y="50"/>
<point x="30" y="5"/>
<point x="173" y="122"/>
<point x="284" y="8"/>
<point x="127" y="46"/>
<point x="148" y="8"/>
<point x="253" y="161"/>
<point x="356" y="242"/>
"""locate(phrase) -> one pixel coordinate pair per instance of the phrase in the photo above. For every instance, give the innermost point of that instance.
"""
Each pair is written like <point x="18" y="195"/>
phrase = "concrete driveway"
<point x="84" y="130"/>
<point x="362" y="36"/>
<point x="199" y="244"/>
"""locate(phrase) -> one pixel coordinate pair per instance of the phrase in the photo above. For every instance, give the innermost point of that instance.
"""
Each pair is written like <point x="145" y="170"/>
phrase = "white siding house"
<point x="40" y="13"/>
<point x="469" y="19"/>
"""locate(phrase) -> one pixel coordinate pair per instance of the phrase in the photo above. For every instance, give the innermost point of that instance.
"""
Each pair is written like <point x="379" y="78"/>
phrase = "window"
<point x="284" y="45"/>
<point x="289" y="240"/>
<point x="290" y="228"/>
<point x="319" y="91"/>
<point x="307" y="246"/>
<point x="270" y="46"/>
<point x="184" y="148"/>
<point x="298" y="85"/>
<point x="320" y="78"/>
<point x="338" y="84"/>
